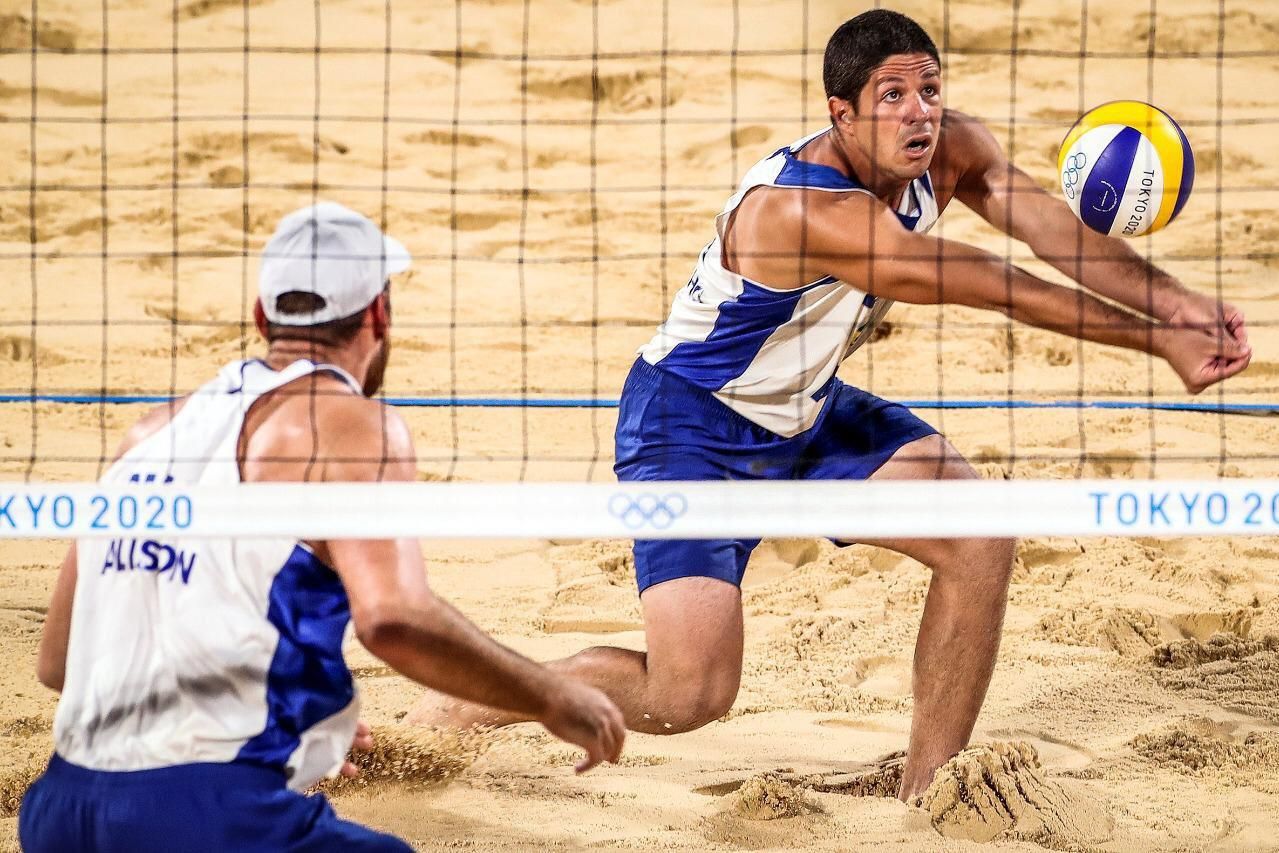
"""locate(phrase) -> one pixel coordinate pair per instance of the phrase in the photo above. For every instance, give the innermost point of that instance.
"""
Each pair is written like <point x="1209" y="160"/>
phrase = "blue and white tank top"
<point x="766" y="353"/>
<point x="207" y="650"/>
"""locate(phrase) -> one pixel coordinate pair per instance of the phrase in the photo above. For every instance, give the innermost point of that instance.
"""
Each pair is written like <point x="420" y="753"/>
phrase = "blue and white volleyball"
<point x="1126" y="169"/>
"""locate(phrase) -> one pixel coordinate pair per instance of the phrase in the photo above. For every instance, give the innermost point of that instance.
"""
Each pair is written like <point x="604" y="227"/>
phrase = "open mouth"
<point x="918" y="144"/>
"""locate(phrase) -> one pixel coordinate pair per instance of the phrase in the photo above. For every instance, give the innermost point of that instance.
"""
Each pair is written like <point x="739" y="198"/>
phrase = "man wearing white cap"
<point x="203" y="684"/>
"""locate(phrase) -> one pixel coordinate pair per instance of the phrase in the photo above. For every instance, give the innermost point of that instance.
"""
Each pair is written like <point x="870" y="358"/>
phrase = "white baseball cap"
<point x="333" y="252"/>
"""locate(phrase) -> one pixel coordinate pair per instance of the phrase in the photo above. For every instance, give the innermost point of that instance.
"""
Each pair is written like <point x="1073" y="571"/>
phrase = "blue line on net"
<point x="606" y="403"/>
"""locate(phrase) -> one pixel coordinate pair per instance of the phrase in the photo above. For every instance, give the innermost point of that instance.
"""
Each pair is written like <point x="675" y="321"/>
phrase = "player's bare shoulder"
<point x="317" y="428"/>
<point x="151" y="423"/>
<point x="965" y="148"/>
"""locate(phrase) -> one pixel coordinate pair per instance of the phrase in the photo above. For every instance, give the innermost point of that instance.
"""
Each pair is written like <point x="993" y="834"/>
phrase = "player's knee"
<point x="698" y="700"/>
<point x="702" y="709"/>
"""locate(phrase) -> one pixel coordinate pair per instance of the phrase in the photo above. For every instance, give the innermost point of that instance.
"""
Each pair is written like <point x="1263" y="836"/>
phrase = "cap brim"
<point x="398" y="258"/>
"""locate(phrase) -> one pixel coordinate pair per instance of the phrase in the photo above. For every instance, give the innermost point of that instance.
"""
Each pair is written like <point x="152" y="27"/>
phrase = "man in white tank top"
<point x="739" y="382"/>
<point x="203" y="685"/>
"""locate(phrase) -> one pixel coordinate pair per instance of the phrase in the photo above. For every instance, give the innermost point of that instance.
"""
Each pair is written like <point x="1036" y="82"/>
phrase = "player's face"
<point x="899" y="114"/>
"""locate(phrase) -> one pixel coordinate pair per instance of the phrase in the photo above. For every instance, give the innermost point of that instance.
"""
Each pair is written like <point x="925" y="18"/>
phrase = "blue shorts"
<point x="188" y="807"/>
<point x="669" y="429"/>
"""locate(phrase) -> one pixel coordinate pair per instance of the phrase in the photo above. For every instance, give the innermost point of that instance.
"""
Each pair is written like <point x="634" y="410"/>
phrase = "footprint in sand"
<point x="1056" y="751"/>
<point x="446" y="139"/>
<point x="881" y="675"/>
<point x="879" y="778"/>
<point x="17" y="348"/>
<point x="594" y="590"/>
<point x="863" y="725"/>
<point x="623" y="92"/>
<point x="15" y="34"/>
<point x="204" y="8"/>
<point x="1133" y="633"/>
<point x="774" y="559"/>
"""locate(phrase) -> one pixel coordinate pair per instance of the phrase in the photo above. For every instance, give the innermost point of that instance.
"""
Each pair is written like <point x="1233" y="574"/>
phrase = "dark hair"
<point x="862" y="43"/>
<point x="333" y="333"/>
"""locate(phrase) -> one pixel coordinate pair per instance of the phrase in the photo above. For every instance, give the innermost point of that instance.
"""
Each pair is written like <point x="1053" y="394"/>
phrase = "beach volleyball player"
<point x="739" y="383"/>
<point x="203" y="684"/>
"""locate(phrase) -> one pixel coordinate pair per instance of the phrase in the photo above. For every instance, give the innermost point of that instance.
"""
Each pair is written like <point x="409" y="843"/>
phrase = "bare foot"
<point x="440" y="709"/>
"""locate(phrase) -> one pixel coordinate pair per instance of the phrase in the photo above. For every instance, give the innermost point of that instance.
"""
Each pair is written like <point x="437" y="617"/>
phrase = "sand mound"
<point x="1125" y="631"/>
<point x="1190" y="653"/>
<point x="415" y="756"/>
<point x="768" y="812"/>
<point x="768" y="797"/>
<point x="1000" y="790"/>
<point x="1199" y="745"/>
<point x="1228" y="671"/>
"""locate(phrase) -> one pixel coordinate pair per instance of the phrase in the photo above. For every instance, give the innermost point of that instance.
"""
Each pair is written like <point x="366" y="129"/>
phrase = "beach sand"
<point x="1135" y="705"/>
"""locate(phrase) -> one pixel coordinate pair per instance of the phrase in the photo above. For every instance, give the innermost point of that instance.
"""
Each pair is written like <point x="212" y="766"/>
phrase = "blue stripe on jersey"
<point x="741" y="328"/>
<point x="1109" y="175"/>
<point x="308" y="680"/>
<point x="799" y="173"/>
<point x="802" y="174"/>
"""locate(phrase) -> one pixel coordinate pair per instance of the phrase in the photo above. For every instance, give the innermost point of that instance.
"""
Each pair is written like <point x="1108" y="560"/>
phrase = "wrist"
<point x="1166" y="297"/>
<point x="551" y="695"/>
<point x="1160" y="338"/>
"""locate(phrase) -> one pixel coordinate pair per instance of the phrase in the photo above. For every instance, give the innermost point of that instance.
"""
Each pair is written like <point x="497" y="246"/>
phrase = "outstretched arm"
<point x="1010" y="200"/>
<point x="399" y="619"/>
<point x="910" y="267"/>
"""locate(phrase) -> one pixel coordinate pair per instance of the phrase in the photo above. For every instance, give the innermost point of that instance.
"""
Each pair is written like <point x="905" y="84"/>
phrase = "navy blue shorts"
<point x="189" y="807"/>
<point x="669" y="429"/>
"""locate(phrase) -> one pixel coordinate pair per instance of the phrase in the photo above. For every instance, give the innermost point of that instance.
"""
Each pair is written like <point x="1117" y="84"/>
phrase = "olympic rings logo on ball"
<point x="647" y="509"/>
<point x="1071" y="174"/>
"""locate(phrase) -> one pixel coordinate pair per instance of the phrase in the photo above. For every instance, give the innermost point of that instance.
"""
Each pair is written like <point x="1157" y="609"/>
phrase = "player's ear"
<point x="841" y="111"/>
<point x="380" y="314"/>
<point x="259" y="317"/>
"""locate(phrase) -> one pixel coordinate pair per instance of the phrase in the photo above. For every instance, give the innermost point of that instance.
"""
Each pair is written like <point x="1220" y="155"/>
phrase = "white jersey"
<point x="207" y="650"/>
<point x="766" y="353"/>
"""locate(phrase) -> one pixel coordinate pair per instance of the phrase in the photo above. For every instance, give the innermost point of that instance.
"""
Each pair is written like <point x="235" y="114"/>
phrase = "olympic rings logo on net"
<point x="647" y="510"/>
<point x="1071" y="174"/>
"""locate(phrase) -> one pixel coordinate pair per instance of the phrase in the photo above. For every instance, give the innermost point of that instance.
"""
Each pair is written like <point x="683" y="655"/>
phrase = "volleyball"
<point x="1126" y="168"/>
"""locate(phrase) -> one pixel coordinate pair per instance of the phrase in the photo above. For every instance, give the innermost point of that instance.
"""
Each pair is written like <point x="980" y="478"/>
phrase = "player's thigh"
<point x="935" y="458"/>
<point x="693" y="627"/>
<point x="929" y="458"/>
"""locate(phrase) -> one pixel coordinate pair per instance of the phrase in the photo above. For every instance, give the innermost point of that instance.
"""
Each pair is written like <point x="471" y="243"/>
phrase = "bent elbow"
<point x="380" y="629"/>
<point x="390" y="628"/>
<point x="50" y="676"/>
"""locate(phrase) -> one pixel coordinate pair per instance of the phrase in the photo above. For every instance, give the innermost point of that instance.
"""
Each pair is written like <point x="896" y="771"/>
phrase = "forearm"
<point x="978" y="279"/>
<point x="1105" y="265"/>
<point x="441" y="649"/>
<point x="1075" y="313"/>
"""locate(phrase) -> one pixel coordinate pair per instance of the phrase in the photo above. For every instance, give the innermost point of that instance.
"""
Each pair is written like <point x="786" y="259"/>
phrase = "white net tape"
<point x="665" y="510"/>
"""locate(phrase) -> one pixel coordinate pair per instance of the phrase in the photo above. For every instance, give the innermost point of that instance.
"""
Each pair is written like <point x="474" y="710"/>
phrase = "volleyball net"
<point x="555" y="170"/>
